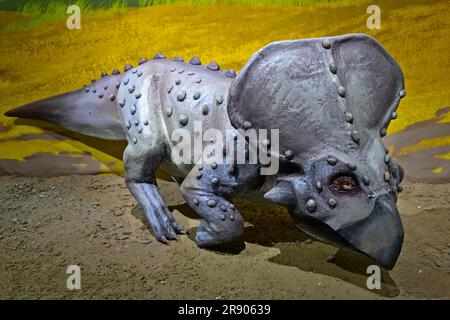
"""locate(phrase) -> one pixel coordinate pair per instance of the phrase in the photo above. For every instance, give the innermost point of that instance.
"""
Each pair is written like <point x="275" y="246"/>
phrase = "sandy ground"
<point x="47" y="224"/>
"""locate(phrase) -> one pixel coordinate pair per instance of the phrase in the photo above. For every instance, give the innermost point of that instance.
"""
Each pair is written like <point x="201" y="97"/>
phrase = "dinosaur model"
<point x="331" y="100"/>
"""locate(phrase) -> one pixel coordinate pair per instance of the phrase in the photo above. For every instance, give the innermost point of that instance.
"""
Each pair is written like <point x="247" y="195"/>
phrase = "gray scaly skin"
<point x="332" y="99"/>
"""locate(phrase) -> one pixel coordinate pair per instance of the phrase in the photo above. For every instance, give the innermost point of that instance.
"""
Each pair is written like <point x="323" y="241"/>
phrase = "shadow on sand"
<point x="272" y="227"/>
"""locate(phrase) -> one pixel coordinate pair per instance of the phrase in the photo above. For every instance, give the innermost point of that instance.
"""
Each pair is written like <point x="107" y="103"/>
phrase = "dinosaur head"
<point x="331" y="100"/>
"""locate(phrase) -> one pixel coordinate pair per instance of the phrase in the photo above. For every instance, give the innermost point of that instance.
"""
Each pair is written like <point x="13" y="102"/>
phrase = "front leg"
<point x="140" y="179"/>
<point x="207" y="190"/>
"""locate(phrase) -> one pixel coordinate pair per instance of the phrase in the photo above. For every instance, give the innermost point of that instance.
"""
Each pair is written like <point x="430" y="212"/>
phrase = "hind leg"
<point x="208" y="191"/>
<point x="140" y="168"/>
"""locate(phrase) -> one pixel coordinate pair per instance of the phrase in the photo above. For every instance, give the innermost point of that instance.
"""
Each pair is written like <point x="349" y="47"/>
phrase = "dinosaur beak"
<point x="380" y="235"/>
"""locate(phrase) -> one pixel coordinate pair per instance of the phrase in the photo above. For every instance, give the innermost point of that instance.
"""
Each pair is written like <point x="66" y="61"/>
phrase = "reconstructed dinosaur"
<point x="331" y="99"/>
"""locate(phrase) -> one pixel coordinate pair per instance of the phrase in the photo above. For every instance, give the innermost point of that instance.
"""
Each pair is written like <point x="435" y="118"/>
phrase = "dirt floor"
<point x="47" y="224"/>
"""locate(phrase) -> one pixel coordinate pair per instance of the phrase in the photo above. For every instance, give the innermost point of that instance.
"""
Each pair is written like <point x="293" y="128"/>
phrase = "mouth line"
<point x="327" y="235"/>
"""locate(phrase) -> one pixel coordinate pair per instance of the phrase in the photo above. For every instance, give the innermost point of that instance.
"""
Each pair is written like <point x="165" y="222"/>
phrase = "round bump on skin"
<point x="117" y="85"/>
<point x="190" y="73"/>
<point x="196" y="95"/>
<point x="195" y="61"/>
<point x="387" y="158"/>
<point x="136" y="122"/>
<point x="178" y="59"/>
<point x="198" y="80"/>
<point x="222" y="217"/>
<point x="169" y="111"/>
<point x="195" y="201"/>
<point x="205" y="109"/>
<point x="178" y="82"/>
<point x="326" y="44"/>
<point x="230" y="73"/>
<point x="115" y="72"/>
<point x="139" y="73"/>
<point x="159" y="56"/>
<point x="103" y="74"/>
<point x="387" y="176"/>
<point x="383" y="132"/>
<point x="232" y="217"/>
<point x="127" y="67"/>
<point x="140" y="129"/>
<point x="125" y="82"/>
<point x="105" y="87"/>
<point x="181" y="95"/>
<point x="135" y="140"/>
<point x="394" y="115"/>
<point x="348" y="117"/>
<point x="223" y="208"/>
<point x="247" y="125"/>
<point x="352" y="166"/>
<point x="112" y="97"/>
<point x="219" y="99"/>
<point x="332" y="203"/>
<point x="170" y="89"/>
<point x="214" y="165"/>
<point x="311" y="205"/>
<point x="128" y="124"/>
<point x="133" y="109"/>
<point x="333" y="68"/>
<point x="142" y="60"/>
<point x="183" y="119"/>
<point x="94" y="91"/>
<point x="355" y="136"/>
<point x="341" y="91"/>
<point x="213" y="66"/>
<point x="402" y="93"/>
<point x="134" y="71"/>
<point x="319" y="186"/>
<point x="366" y="180"/>
<point x="231" y="206"/>
<point x="181" y="71"/>
<point x="211" y="203"/>
<point x="131" y="88"/>
<point x="138" y="95"/>
<point x="100" y="95"/>
<point x="215" y="181"/>
<point x="172" y="69"/>
<point x="289" y="154"/>
<point x="198" y="175"/>
<point x="332" y="160"/>
<point x="145" y="122"/>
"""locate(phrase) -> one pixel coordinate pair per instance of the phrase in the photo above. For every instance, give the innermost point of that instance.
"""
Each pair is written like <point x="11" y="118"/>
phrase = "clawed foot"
<point x="162" y="222"/>
<point x="207" y="235"/>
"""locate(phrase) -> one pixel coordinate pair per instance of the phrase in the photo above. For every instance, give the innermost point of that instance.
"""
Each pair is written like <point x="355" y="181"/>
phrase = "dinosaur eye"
<point x="343" y="184"/>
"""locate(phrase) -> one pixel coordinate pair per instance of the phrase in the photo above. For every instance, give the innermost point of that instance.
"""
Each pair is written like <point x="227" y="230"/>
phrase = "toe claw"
<point x="172" y="235"/>
<point x="178" y="227"/>
<point x="163" y="239"/>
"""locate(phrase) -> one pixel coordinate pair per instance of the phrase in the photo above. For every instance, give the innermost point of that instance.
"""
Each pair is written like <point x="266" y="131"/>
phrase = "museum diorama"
<point x="237" y="150"/>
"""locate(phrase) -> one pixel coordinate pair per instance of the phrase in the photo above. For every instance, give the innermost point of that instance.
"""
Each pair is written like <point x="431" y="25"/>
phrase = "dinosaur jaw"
<point x="379" y="236"/>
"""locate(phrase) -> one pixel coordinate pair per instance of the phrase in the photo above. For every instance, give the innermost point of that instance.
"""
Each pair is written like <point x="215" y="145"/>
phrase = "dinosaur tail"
<point x="91" y="111"/>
